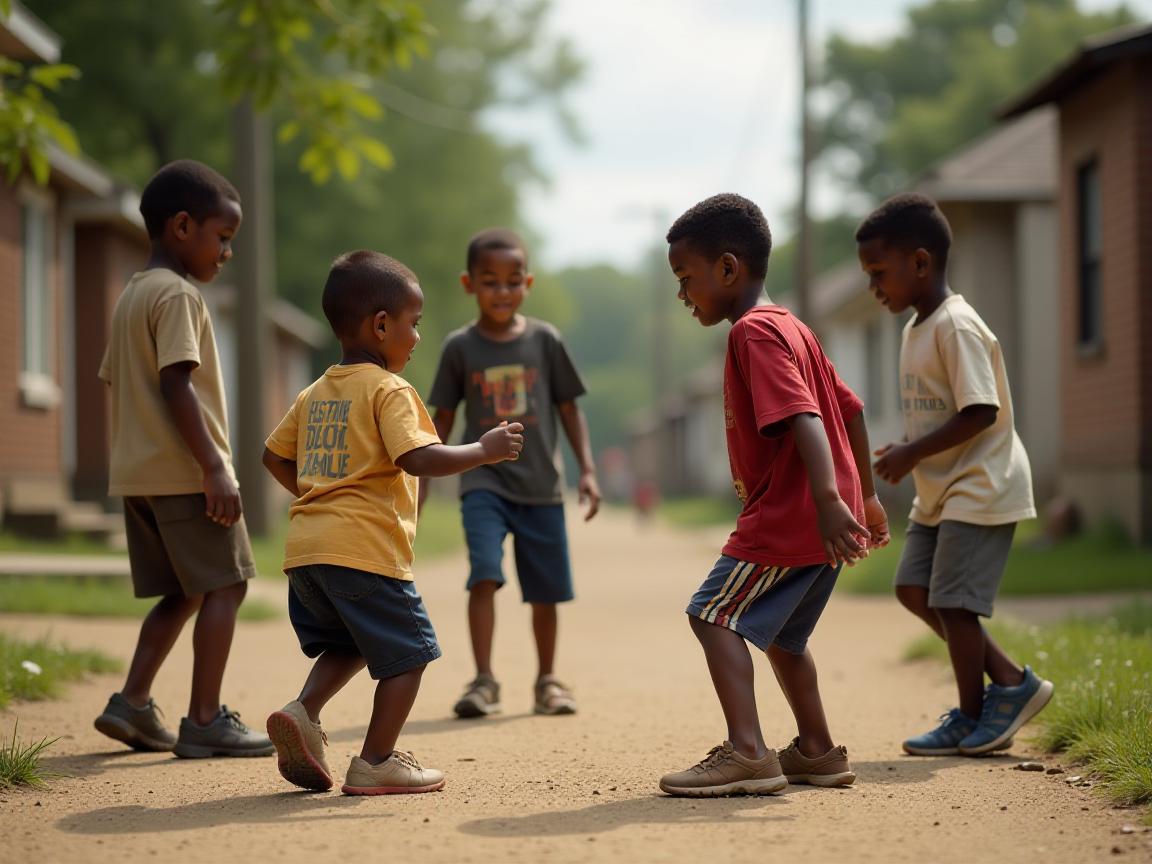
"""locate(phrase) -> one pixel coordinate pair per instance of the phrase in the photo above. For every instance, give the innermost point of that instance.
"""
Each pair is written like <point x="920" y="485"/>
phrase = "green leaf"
<point x="347" y="163"/>
<point x="38" y="162"/>
<point x="288" y="131"/>
<point x="51" y="76"/>
<point x="376" y="152"/>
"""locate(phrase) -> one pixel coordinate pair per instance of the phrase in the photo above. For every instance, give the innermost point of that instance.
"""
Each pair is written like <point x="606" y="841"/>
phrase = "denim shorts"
<point x="381" y="618"/>
<point x="766" y="605"/>
<point x="539" y="541"/>
<point x="960" y="564"/>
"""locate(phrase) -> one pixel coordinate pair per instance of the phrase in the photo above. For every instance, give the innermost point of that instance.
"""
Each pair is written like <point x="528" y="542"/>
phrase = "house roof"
<point x="836" y="287"/>
<point x="1016" y="161"/>
<point x="1094" y="55"/>
<point x="23" y="36"/>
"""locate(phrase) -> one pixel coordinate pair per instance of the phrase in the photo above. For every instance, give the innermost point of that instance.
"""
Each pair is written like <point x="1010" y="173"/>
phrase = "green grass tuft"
<point x="20" y="763"/>
<point x="20" y="660"/>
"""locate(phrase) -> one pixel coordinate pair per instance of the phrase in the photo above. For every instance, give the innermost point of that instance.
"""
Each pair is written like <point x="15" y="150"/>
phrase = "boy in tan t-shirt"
<point x="973" y="481"/>
<point x="187" y="542"/>
<point x="349" y="451"/>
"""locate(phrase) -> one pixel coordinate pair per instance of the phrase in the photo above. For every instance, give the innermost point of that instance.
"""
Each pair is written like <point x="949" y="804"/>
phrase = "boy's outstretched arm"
<point x="838" y="527"/>
<point x="184" y="406"/>
<point x="896" y="460"/>
<point x="440" y="460"/>
<point x="874" y="513"/>
<point x="576" y="428"/>
<point x="443" y="420"/>
<point x="284" y="470"/>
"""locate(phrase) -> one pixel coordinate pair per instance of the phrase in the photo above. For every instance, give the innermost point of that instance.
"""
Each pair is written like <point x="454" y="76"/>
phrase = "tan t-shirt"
<point x="356" y="508"/>
<point x="947" y="362"/>
<point x="159" y="320"/>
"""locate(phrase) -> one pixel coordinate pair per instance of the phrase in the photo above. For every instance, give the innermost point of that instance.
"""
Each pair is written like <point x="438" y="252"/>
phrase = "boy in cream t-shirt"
<point x="973" y="481"/>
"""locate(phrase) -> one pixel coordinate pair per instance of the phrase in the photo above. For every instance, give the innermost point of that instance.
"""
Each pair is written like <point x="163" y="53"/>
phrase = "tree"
<point x="895" y="107"/>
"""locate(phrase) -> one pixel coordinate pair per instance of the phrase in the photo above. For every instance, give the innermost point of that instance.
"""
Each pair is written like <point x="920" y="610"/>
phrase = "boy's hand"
<point x="877" y="521"/>
<point x="503" y="442"/>
<point x="839" y="531"/>
<point x="590" y="493"/>
<point x="223" y="498"/>
<point x="895" y="461"/>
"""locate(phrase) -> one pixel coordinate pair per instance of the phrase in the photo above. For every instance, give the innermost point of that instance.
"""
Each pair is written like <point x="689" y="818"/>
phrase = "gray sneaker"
<point x="224" y="736"/>
<point x="480" y="699"/>
<point x="139" y="728"/>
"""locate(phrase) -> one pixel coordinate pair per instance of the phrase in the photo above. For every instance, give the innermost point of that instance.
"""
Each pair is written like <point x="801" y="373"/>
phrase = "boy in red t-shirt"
<point x="800" y="462"/>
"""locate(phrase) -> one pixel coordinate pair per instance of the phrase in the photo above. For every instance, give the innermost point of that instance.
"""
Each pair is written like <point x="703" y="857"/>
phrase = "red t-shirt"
<point x="775" y="369"/>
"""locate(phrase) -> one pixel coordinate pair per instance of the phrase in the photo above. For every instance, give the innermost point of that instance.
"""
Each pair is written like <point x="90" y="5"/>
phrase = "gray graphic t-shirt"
<point x="519" y="381"/>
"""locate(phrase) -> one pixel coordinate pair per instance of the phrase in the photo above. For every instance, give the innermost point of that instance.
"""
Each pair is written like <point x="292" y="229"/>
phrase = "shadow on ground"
<point x="429" y="727"/>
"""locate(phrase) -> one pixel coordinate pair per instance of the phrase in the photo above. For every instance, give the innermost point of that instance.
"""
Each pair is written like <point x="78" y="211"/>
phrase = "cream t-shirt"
<point x="356" y="507"/>
<point x="947" y="362"/>
<point x="160" y="319"/>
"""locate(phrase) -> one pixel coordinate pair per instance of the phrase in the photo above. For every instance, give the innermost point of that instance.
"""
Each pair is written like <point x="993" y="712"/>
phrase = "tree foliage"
<point x="895" y="107"/>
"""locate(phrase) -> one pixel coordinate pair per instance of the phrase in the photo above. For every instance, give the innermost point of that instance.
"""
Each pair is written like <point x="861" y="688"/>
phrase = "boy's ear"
<point x="729" y="266"/>
<point x="922" y="261"/>
<point x="181" y="224"/>
<point x="379" y="324"/>
<point x="466" y="281"/>
<point x="528" y="280"/>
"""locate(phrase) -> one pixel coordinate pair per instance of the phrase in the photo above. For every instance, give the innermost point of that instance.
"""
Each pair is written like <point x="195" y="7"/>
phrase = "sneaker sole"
<point x="295" y="761"/>
<point x="770" y="786"/>
<point x="950" y="751"/>
<point x="390" y="790"/>
<point x="844" y="778"/>
<point x="1031" y="708"/>
<point x="121" y="730"/>
<point x="469" y="710"/>
<point x="554" y="712"/>
<point x="197" y="751"/>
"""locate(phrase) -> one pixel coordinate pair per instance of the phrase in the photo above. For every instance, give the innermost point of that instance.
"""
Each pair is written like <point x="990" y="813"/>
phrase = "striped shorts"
<point x="766" y="605"/>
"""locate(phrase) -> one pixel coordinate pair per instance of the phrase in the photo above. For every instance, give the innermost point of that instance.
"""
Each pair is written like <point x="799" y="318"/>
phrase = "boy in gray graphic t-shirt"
<point x="507" y="368"/>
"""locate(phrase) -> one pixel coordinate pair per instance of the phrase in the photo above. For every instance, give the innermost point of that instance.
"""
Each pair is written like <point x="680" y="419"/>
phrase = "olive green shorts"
<point x="174" y="548"/>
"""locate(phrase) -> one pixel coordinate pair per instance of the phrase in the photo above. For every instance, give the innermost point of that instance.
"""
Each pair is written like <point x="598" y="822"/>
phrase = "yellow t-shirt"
<point x="356" y="508"/>
<point x="159" y="320"/>
<point x="947" y="362"/>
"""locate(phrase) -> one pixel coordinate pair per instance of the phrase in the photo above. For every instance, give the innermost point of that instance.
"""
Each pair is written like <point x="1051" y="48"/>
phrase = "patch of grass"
<point x="699" y="512"/>
<point x="86" y="597"/>
<point x="1101" y="713"/>
<point x="69" y="544"/>
<point x="20" y="762"/>
<point x="1100" y="560"/>
<point x="37" y="669"/>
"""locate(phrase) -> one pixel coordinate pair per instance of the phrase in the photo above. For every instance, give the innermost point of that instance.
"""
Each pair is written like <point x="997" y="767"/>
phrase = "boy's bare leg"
<point x="1000" y="668"/>
<point x="158" y="633"/>
<point x="395" y="697"/>
<point x="733" y="676"/>
<point x="331" y="671"/>
<point x="967" y="648"/>
<point x="482" y="624"/>
<point x="544" y="627"/>
<point x="211" y="644"/>
<point x="796" y="674"/>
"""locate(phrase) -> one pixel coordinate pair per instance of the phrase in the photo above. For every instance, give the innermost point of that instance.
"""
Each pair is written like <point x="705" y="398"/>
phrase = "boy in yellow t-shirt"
<point x="350" y="450"/>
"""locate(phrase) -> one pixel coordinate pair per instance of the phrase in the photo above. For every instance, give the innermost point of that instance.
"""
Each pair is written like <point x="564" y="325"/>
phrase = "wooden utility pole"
<point x="254" y="274"/>
<point x="803" y="275"/>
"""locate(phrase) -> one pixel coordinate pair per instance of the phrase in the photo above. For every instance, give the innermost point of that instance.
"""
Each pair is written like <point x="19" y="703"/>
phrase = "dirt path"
<point x="583" y="788"/>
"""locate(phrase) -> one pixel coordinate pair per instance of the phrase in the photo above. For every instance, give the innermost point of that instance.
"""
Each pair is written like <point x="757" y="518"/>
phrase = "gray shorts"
<point x="960" y="564"/>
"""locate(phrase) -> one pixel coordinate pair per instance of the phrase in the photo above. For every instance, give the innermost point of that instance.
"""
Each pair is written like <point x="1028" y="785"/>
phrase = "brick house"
<point x="1103" y="96"/>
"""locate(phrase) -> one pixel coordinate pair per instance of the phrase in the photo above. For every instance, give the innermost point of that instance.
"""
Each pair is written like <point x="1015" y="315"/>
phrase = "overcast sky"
<point x="681" y="99"/>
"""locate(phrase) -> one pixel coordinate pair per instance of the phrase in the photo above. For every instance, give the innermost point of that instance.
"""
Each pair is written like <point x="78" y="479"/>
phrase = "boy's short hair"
<point x="183" y="185"/>
<point x="727" y="223"/>
<point x="362" y="283"/>
<point x="909" y="221"/>
<point x="494" y="238"/>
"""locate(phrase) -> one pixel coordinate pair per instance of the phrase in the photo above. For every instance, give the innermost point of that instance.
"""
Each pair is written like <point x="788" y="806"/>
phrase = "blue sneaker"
<point x="945" y="739"/>
<point x="1005" y="710"/>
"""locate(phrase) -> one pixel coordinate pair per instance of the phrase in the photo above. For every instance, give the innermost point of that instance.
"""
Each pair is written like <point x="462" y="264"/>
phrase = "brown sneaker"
<point x="552" y="697"/>
<point x="725" y="772"/>
<point x="400" y="773"/>
<point x="137" y="726"/>
<point x="481" y="698"/>
<point x="831" y="769"/>
<point x="299" y="747"/>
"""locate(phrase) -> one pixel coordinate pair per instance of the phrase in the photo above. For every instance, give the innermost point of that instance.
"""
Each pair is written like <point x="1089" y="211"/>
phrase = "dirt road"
<point x="582" y="788"/>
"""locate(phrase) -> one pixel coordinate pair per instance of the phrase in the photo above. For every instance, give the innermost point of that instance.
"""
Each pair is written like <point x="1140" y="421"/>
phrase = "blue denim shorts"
<point x="766" y="605"/>
<point x="539" y="542"/>
<point x="381" y="618"/>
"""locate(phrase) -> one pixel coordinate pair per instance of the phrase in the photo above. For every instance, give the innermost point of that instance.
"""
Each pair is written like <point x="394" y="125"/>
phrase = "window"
<point x="38" y="296"/>
<point x="875" y="365"/>
<point x="1090" y="333"/>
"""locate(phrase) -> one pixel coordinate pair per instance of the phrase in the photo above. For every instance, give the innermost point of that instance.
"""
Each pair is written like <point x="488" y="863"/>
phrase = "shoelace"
<point x="232" y="718"/>
<point x="715" y="756"/>
<point x="406" y="758"/>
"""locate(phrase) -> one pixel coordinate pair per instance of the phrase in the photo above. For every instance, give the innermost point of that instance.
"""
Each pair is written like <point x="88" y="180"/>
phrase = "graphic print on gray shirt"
<point x="522" y="381"/>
